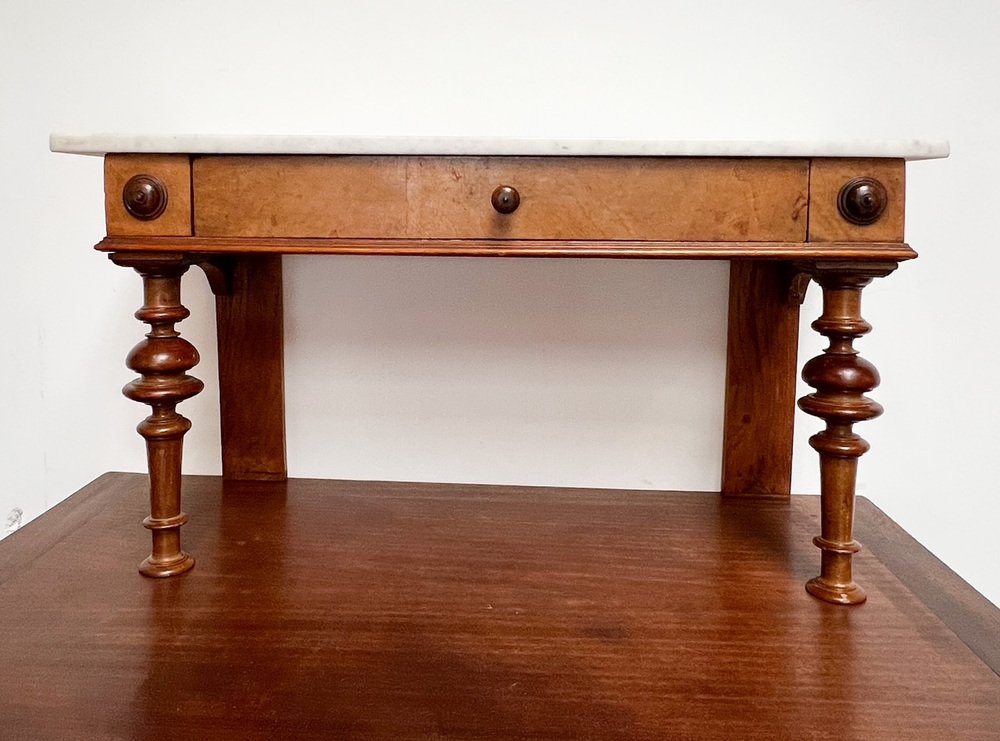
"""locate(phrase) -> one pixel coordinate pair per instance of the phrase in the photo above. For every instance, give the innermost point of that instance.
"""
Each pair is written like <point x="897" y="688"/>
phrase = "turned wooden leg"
<point x="841" y="379"/>
<point x="162" y="360"/>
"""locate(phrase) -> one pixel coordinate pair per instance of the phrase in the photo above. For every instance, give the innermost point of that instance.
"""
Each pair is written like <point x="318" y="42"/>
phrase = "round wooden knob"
<point x="505" y="199"/>
<point x="145" y="197"/>
<point x="863" y="201"/>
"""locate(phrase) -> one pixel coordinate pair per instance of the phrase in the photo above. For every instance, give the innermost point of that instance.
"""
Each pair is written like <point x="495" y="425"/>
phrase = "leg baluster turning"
<point x="841" y="379"/>
<point x="162" y="360"/>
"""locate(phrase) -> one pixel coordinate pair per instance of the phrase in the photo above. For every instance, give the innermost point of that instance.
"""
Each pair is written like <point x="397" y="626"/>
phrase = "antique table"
<point x="781" y="212"/>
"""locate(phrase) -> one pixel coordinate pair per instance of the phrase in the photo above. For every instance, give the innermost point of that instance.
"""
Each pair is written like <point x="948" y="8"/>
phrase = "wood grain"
<point x="250" y="329"/>
<point x="879" y="252"/>
<point x="403" y="611"/>
<point x="828" y="176"/>
<point x="761" y="368"/>
<point x="175" y="172"/>
<point x="658" y="198"/>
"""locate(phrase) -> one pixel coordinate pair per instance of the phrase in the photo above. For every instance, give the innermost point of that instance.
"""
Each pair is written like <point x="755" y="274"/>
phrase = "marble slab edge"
<point x="101" y="144"/>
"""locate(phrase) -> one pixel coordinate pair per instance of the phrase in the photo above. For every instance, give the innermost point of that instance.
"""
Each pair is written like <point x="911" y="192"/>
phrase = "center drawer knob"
<point x="505" y="199"/>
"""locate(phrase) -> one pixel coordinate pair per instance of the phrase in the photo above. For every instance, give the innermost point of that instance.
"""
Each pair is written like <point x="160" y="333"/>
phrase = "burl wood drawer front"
<point x="682" y="199"/>
<point x="828" y="177"/>
<point x="172" y="173"/>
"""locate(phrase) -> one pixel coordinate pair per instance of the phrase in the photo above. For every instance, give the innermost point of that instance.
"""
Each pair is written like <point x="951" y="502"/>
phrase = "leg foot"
<point x="835" y="584"/>
<point x="154" y="569"/>
<point x="850" y="594"/>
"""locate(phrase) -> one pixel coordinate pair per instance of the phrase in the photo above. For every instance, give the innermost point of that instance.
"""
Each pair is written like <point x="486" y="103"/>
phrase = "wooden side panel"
<point x="250" y="328"/>
<point x="761" y="369"/>
<point x="611" y="198"/>
<point x="174" y="170"/>
<point x="828" y="176"/>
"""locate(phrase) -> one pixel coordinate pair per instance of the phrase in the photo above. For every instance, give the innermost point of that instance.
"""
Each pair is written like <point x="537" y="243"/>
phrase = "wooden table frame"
<point x="779" y="221"/>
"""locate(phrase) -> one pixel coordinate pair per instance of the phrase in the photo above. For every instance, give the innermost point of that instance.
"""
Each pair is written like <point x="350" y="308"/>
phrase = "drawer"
<point x="131" y="180"/>
<point x="568" y="198"/>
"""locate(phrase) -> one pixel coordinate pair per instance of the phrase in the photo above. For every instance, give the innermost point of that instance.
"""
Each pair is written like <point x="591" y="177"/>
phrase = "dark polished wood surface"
<point x="322" y="610"/>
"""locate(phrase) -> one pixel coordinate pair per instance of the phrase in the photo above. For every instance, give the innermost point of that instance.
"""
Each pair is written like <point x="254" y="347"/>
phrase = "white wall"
<point x="570" y="373"/>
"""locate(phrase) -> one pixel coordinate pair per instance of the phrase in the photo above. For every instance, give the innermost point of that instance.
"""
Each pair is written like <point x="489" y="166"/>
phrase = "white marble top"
<point x="100" y="144"/>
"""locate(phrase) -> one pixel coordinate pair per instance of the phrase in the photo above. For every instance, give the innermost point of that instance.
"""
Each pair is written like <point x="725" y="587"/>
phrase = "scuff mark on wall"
<point x="13" y="520"/>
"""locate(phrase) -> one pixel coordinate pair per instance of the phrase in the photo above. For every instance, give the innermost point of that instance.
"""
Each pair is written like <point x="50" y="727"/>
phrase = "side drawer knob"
<point x="145" y="197"/>
<point x="505" y="199"/>
<point x="862" y="201"/>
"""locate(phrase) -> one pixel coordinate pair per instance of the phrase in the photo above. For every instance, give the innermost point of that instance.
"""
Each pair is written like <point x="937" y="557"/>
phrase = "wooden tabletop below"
<point x="339" y="610"/>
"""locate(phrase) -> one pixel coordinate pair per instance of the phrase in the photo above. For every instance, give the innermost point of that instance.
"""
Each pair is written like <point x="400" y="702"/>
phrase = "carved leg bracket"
<point x="841" y="379"/>
<point x="162" y="361"/>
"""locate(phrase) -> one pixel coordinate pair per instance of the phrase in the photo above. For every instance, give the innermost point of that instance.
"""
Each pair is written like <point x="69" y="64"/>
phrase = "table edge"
<point x="104" y="143"/>
<point x="967" y="613"/>
<point x="866" y="252"/>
